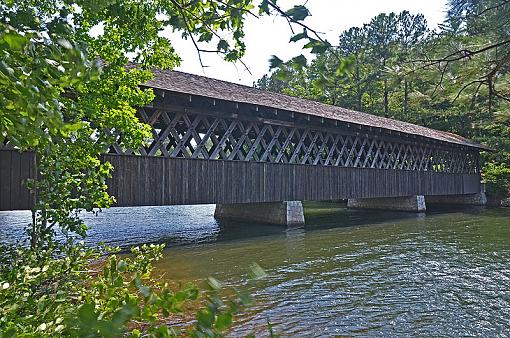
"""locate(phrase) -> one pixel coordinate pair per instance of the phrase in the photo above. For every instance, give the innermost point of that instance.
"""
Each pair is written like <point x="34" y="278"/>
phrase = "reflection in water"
<point x="347" y="272"/>
<point x="368" y="273"/>
<point x="295" y="241"/>
<point x="132" y="226"/>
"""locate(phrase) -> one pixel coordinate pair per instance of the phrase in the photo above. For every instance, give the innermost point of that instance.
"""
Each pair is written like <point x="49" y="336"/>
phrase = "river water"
<point x="347" y="272"/>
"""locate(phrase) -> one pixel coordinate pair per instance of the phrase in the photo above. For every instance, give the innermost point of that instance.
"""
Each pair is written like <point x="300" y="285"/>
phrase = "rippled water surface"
<point x="444" y="273"/>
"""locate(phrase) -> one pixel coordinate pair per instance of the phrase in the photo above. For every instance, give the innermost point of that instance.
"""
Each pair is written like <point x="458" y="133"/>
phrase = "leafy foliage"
<point x="81" y="295"/>
<point x="497" y="179"/>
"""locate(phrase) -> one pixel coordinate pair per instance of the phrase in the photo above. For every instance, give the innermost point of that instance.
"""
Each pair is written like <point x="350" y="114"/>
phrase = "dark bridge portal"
<point x="218" y="142"/>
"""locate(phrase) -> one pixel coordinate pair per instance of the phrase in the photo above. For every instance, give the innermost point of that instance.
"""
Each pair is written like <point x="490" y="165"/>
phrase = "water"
<point x="446" y="273"/>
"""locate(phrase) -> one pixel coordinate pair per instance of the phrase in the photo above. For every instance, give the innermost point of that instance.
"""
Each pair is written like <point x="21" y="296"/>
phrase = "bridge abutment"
<point x="414" y="203"/>
<point x="282" y="213"/>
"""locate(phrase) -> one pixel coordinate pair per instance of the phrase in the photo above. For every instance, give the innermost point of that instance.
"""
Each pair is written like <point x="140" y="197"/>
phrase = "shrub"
<point x="497" y="179"/>
<point x="71" y="290"/>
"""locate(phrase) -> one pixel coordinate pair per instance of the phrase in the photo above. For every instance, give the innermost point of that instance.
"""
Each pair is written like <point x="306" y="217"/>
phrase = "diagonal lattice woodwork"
<point x="189" y="135"/>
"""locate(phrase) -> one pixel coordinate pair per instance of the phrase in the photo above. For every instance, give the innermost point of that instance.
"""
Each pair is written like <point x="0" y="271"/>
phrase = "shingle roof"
<point x="203" y="86"/>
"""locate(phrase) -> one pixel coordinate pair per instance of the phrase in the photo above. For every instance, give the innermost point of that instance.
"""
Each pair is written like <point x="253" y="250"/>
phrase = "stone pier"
<point x="282" y="213"/>
<point x="471" y="199"/>
<point x="479" y="199"/>
<point x="414" y="203"/>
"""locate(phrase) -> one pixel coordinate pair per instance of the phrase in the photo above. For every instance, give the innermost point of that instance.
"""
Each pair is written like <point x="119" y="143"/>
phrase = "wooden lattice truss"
<point x="185" y="135"/>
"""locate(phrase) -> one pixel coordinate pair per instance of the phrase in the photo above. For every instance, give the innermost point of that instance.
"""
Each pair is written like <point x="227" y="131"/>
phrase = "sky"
<point x="268" y="36"/>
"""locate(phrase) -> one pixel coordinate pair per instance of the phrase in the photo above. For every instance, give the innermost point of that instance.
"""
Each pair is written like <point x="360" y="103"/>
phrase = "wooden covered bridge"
<point x="219" y="142"/>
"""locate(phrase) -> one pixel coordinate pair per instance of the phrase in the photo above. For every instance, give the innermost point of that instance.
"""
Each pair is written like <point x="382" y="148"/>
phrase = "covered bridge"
<point x="224" y="143"/>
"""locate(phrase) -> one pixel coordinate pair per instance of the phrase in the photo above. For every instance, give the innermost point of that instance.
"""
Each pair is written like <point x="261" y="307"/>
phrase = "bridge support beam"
<point x="414" y="203"/>
<point x="282" y="213"/>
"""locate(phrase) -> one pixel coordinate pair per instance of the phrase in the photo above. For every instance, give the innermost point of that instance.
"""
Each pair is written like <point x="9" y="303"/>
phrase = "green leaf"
<point x="65" y="43"/>
<point x="205" y="318"/>
<point x="299" y="36"/>
<point x="222" y="45"/>
<point x="214" y="284"/>
<point x="223" y="321"/>
<point x="145" y="290"/>
<point x="87" y="315"/>
<point x="283" y="74"/>
<point x="343" y="66"/>
<point x="15" y="40"/>
<point x="317" y="46"/>
<point x="126" y="312"/>
<point x="257" y="271"/>
<point x="275" y="62"/>
<point x="264" y="7"/>
<point x="122" y="265"/>
<point x="298" y="13"/>
<point x="299" y="62"/>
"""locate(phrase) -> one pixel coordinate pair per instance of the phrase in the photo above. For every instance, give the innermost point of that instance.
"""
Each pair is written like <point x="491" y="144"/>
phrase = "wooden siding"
<point x="145" y="180"/>
<point x="148" y="180"/>
<point x="15" y="169"/>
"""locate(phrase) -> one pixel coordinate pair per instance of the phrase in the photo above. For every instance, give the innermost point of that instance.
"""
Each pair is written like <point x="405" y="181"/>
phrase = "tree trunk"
<point x="385" y="88"/>
<point x="359" y="95"/>
<point x="406" y="97"/>
<point x="386" y="103"/>
<point x="33" y="235"/>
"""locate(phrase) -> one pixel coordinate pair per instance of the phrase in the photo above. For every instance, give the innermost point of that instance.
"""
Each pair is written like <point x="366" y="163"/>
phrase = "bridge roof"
<point x="222" y="90"/>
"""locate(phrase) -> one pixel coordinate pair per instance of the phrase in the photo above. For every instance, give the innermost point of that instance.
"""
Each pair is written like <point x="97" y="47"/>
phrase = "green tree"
<point x="353" y="43"/>
<point x="468" y="65"/>
<point x="359" y="72"/>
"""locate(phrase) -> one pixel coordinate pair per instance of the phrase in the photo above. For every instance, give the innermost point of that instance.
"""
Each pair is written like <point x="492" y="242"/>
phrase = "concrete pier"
<point x="479" y="199"/>
<point x="471" y="199"/>
<point x="282" y="213"/>
<point x="414" y="203"/>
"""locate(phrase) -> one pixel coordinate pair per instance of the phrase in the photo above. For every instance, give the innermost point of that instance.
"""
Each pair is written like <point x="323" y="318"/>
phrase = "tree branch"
<point x="504" y="2"/>
<point x="466" y="86"/>
<point x="460" y="54"/>
<point x="240" y="9"/>
<point x="282" y="12"/>
<point x="188" y="29"/>
<point x="440" y="82"/>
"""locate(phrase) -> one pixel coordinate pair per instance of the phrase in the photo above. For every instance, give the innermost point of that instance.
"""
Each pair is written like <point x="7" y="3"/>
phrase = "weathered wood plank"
<point x="15" y="169"/>
<point x="5" y="174"/>
<point x="25" y="174"/>
<point x="146" y="180"/>
<point x="197" y="181"/>
<point x="16" y="183"/>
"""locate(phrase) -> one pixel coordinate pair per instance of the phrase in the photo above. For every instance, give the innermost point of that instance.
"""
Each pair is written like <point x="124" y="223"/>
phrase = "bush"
<point x="71" y="290"/>
<point x="497" y="179"/>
